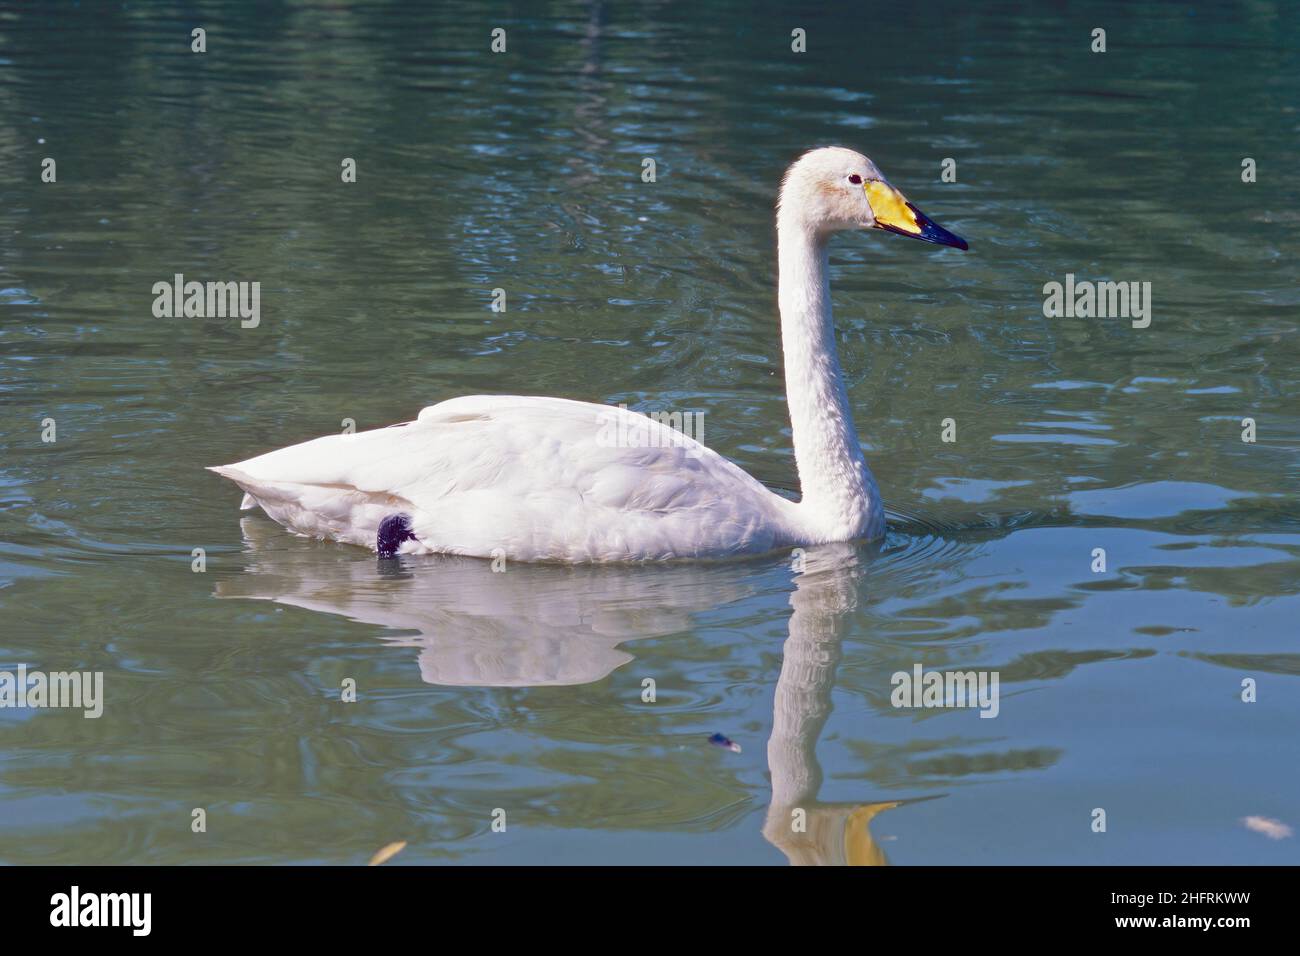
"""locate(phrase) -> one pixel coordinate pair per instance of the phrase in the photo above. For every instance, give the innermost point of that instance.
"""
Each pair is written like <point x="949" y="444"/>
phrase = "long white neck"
<point x="840" y="499"/>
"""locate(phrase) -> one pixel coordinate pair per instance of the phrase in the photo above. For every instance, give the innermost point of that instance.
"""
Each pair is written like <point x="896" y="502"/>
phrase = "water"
<point x="523" y="691"/>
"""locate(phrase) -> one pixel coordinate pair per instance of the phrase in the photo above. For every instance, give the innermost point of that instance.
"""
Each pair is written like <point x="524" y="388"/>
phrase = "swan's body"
<point x="538" y="479"/>
<point x="526" y="478"/>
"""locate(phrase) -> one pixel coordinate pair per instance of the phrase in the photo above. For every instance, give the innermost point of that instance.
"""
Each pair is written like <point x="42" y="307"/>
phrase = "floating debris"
<point x="387" y="853"/>
<point x="718" y="740"/>
<point x="1273" y="829"/>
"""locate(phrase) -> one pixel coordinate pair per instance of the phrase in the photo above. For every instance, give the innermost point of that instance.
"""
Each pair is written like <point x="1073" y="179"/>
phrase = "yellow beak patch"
<point x="890" y="208"/>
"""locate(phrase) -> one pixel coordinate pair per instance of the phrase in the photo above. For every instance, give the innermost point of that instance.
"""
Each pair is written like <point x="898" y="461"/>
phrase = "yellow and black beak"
<point x="894" y="213"/>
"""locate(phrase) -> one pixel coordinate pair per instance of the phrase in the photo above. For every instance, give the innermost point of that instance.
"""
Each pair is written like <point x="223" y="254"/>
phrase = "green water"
<point x="1120" y="689"/>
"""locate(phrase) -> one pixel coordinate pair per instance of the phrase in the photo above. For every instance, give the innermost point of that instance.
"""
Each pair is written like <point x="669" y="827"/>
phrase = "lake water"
<point x="522" y="692"/>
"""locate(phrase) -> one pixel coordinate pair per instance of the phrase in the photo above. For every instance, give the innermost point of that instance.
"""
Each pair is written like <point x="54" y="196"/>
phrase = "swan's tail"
<point x="239" y="478"/>
<point x="340" y="513"/>
<point x="270" y="496"/>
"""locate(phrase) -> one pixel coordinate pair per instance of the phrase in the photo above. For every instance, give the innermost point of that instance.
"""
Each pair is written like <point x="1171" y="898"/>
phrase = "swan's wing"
<point x="524" y="477"/>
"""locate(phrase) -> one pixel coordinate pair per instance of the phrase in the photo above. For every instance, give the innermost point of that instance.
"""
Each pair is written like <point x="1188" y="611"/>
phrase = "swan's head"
<point x="832" y="189"/>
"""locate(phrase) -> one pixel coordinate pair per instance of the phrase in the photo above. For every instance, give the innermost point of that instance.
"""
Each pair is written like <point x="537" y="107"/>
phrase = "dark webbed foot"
<point x="393" y="530"/>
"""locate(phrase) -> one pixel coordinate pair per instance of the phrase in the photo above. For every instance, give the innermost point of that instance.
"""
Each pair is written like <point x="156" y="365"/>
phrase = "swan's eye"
<point x="855" y="179"/>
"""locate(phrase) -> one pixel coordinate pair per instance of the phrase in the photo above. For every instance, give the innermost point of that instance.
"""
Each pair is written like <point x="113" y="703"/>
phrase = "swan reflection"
<point x="538" y="625"/>
<point x="806" y="830"/>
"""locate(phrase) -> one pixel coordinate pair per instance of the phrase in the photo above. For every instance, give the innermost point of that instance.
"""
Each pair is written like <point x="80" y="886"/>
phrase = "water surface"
<point x="523" y="691"/>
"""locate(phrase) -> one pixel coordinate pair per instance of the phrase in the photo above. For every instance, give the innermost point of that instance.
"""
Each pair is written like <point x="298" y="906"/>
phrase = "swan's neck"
<point x="840" y="499"/>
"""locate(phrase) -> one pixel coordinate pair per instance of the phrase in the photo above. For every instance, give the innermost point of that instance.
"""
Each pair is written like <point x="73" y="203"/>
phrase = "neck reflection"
<point x="806" y="830"/>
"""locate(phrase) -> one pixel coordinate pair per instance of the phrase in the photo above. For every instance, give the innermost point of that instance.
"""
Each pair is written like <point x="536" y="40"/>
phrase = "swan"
<point x="537" y="479"/>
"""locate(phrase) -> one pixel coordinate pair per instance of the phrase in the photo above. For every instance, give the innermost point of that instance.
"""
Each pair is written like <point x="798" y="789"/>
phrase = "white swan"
<point x="539" y="479"/>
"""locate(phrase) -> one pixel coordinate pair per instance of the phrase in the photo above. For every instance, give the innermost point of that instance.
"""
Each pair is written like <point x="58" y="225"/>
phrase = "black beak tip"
<point x="931" y="231"/>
